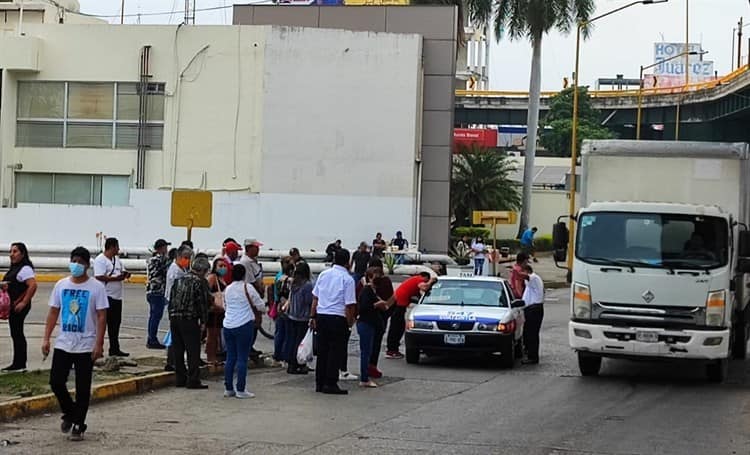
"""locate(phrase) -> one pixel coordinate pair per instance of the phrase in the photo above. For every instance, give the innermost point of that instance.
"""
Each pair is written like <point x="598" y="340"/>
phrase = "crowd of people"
<point x="220" y="303"/>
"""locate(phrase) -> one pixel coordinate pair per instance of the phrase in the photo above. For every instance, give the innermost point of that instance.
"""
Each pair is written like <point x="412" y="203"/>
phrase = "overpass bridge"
<point x="718" y="110"/>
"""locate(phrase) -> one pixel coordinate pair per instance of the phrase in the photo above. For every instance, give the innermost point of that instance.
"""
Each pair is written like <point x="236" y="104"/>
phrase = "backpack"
<point x="4" y="305"/>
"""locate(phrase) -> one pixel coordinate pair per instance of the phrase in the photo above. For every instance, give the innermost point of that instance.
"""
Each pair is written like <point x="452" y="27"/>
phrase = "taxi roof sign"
<point x="192" y="208"/>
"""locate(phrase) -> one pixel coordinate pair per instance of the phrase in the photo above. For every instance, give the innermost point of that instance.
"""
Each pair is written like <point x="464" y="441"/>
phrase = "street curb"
<point x="25" y="407"/>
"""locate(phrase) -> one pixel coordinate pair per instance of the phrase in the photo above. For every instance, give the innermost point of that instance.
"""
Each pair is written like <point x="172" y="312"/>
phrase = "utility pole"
<point x="739" y="43"/>
<point x="122" y="12"/>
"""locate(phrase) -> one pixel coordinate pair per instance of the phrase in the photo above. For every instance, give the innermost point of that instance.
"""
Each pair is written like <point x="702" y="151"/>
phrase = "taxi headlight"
<point x="420" y="325"/>
<point x="487" y="326"/>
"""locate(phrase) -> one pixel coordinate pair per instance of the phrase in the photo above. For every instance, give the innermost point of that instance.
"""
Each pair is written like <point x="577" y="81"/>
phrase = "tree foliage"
<point x="556" y="136"/>
<point x="481" y="181"/>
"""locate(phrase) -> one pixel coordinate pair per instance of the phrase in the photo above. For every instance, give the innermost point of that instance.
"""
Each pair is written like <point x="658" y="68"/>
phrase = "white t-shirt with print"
<point x="78" y="304"/>
<point x="237" y="308"/>
<point x="104" y="266"/>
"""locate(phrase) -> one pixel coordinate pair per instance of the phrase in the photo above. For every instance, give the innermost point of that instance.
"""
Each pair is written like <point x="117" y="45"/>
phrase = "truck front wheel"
<point x="589" y="364"/>
<point x="739" y="333"/>
<point x="717" y="371"/>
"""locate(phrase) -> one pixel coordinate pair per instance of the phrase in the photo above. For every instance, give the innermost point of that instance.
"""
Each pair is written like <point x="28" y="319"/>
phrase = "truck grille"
<point x="648" y="315"/>
<point x="455" y="325"/>
<point x="669" y="339"/>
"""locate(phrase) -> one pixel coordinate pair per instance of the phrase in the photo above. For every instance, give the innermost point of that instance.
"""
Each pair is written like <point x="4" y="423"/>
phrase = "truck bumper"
<point x="618" y="341"/>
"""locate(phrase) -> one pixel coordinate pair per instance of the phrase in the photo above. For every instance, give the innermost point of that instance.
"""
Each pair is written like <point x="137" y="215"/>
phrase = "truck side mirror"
<point x="743" y="265"/>
<point x="560" y="241"/>
<point x="744" y="244"/>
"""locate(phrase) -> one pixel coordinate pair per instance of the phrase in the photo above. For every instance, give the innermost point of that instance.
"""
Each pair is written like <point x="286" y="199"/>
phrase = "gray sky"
<point x="618" y="44"/>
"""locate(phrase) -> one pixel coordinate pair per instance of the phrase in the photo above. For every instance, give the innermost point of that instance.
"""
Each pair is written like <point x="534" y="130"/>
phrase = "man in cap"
<point x="156" y="269"/>
<point x="188" y="311"/>
<point x="254" y="269"/>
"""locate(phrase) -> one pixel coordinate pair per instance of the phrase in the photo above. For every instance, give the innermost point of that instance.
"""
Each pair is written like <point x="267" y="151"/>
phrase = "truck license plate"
<point x="647" y="337"/>
<point x="452" y="338"/>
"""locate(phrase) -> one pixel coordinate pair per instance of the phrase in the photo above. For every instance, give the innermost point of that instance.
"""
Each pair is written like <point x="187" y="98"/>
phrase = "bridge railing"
<point x="655" y="91"/>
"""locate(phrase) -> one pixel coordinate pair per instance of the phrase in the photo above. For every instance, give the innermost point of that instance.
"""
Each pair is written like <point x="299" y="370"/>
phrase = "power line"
<point x="163" y="13"/>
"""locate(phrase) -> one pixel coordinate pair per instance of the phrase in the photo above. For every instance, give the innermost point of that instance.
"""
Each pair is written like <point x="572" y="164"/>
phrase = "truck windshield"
<point x="653" y="240"/>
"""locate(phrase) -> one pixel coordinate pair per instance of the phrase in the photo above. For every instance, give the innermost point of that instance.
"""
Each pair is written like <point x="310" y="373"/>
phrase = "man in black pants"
<point x="333" y="312"/>
<point x="80" y="304"/>
<point x="534" y="314"/>
<point x="188" y="311"/>
<point x="109" y="270"/>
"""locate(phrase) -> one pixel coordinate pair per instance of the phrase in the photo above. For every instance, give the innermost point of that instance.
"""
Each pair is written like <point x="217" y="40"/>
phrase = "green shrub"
<point x="541" y="243"/>
<point x="471" y="232"/>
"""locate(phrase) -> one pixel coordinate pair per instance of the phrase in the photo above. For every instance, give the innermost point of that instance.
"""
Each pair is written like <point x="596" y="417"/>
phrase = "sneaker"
<point x="230" y="394"/>
<point x="13" y="369"/>
<point x="346" y="376"/>
<point x="118" y="354"/>
<point x="77" y="433"/>
<point x="394" y="355"/>
<point x="243" y="395"/>
<point x="373" y="372"/>
<point x="368" y="385"/>
<point x="65" y="425"/>
<point x="155" y="346"/>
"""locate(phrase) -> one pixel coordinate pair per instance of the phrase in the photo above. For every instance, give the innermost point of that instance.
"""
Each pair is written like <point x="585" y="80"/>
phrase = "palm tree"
<point x="531" y="19"/>
<point x="481" y="181"/>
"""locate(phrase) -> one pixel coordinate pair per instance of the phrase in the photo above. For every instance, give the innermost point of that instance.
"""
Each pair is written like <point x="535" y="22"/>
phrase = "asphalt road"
<point x="440" y="406"/>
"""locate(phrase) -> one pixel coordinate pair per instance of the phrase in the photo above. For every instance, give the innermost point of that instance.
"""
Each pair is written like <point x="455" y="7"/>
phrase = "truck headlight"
<point x="581" y="301"/>
<point x="715" y="304"/>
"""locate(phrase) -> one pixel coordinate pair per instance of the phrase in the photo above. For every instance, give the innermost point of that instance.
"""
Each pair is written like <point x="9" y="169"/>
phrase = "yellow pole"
<point x="574" y="149"/>
<point x="640" y="106"/>
<point x="494" y="245"/>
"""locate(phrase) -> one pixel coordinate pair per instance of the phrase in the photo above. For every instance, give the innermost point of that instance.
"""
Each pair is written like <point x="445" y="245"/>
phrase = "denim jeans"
<point x="479" y="266"/>
<point x="239" y="341"/>
<point x="156" y="305"/>
<point x="366" y="337"/>
<point x="280" y="339"/>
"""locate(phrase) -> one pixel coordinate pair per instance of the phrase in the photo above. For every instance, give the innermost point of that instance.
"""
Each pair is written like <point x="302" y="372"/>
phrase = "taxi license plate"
<point x="452" y="338"/>
<point x="647" y="337"/>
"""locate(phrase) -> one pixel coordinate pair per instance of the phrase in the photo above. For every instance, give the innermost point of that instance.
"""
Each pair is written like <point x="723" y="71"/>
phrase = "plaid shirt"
<point x="190" y="298"/>
<point x="157" y="274"/>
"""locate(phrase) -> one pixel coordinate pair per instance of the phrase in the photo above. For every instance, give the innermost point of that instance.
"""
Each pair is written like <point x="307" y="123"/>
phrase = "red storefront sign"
<point x="469" y="136"/>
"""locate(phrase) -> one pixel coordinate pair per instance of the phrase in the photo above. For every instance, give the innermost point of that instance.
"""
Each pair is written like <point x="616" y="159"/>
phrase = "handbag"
<point x="4" y="305"/>
<point x="217" y="305"/>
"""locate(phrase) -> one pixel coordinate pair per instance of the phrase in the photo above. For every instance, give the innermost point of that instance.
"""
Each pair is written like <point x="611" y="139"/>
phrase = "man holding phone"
<point x="109" y="270"/>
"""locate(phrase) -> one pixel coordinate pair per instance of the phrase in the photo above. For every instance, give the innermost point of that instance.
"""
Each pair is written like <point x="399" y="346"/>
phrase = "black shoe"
<point x="13" y="368"/>
<point x="168" y="368"/>
<point x="65" y="425"/>
<point x="118" y="354"/>
<point x="530" y="361"/>
<point x="318" y="389"/>
<point x="155" y="346"/>
<point x="334" y="391"/>
<point x="77" y="433"/>
<point x="199" y="386"/>
<point x="180" y="385"/>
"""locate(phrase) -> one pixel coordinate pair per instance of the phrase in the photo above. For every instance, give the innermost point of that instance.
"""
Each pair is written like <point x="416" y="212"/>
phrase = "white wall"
<point x="546" y="207"/>
<point x="279" y="220"/>
<point x="304" y="135"/>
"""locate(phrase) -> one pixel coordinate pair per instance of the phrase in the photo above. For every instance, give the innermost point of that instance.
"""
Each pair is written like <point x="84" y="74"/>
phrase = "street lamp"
<point x="640" y="87"/>
<point x="574" y="141"/>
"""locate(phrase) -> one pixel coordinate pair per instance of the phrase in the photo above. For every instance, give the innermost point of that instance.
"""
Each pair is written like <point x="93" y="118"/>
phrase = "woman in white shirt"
<point x="20" y="284"/>
<point x="243" y="308"/>
<point x="478" y="249"/>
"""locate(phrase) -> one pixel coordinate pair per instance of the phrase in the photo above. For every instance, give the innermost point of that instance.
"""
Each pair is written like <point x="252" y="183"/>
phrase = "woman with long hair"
<point x="20" y="283"/>
<point x="300" y="303"/>
<point x="217" y="284"/>
<point x="370" y="322"/>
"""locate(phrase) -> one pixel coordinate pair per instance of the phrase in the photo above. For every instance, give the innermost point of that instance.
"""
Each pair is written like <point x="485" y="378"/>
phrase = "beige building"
<point x="98" y="124"/>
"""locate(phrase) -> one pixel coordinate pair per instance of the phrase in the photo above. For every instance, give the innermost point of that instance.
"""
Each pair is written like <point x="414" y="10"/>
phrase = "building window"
<point x="88" y="114"/>
<point x="72" y="189"/>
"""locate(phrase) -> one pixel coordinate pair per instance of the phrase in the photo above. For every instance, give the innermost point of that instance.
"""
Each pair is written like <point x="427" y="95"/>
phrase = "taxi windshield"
<point x="466" y="292"/>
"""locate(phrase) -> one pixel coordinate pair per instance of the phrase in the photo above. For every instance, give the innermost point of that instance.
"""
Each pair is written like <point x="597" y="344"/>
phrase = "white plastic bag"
<point x="305" y="349"/>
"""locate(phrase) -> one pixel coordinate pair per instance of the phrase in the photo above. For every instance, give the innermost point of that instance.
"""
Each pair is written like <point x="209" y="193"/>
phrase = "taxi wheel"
<point x="412" y="355"/>
<point x="508" y="355"/>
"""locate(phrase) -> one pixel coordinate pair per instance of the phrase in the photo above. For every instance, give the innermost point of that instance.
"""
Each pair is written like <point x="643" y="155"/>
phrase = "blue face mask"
<point x="221" y="272"/>
<point x="76" y="269"/>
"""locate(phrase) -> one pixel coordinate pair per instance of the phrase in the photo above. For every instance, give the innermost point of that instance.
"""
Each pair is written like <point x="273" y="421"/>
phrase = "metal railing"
<point x="682" y="89"/>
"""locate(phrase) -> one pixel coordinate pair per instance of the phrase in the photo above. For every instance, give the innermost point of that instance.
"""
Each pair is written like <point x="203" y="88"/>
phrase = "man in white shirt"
<point x="80" y="304"/>
<point x="533" y="295"/>
<point x="109" y="270"/>
<point x="332" y="314"/>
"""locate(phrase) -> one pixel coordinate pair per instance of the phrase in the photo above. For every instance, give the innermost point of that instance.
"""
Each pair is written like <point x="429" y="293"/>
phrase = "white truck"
<point x="661" y="253"/>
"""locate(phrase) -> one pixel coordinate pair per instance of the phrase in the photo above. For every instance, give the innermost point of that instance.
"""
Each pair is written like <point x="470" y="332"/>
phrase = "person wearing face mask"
<point x="156" y="269"/>
<point x="217" y="284"/>
<point x="177" y="270"/>
<point x="80" y="305"/>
